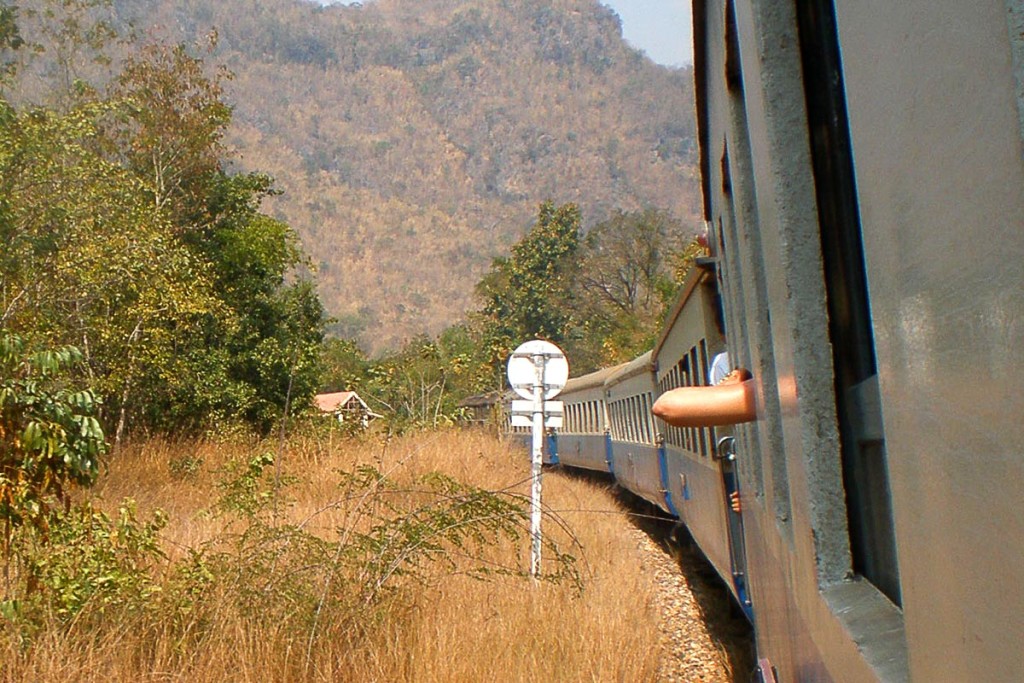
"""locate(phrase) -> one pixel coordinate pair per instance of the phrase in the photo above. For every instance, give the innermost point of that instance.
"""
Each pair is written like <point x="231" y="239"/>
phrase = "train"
<point x="862" y="174"/>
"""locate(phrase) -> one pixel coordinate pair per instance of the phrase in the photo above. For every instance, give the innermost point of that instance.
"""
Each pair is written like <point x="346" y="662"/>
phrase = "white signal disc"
<point x="522" y="372"/>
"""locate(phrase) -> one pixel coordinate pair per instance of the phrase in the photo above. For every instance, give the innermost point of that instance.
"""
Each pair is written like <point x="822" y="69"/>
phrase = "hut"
<point x="346" y="406"/>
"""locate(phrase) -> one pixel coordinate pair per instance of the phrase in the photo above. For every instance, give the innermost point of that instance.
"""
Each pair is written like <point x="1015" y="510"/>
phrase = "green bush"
<point x="49" y="436"/>
<point x="86" y="558"/>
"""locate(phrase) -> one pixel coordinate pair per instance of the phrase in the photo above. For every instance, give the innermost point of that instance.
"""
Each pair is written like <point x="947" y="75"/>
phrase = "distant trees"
<point x="601" y="297"/>
<point x="631" y="268"/>
<point x="412" y="134"/>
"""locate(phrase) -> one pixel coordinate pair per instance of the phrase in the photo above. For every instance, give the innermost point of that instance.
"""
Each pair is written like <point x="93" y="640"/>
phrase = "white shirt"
<point x="720" y="367"/>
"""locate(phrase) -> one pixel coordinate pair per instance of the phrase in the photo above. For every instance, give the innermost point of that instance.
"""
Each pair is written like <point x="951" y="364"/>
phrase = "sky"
<point x="661" y="28"/>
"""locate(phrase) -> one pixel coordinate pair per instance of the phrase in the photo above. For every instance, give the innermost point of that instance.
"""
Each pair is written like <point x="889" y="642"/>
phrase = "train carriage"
<point x="863" y="179"/>
<point x="699" y="474"/>
<point x="635" y="455"/>
<point x="862" y="169"/>
<point x="584" y="440"/>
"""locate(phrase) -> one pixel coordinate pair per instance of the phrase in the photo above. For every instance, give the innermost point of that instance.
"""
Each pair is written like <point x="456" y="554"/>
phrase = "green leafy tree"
<point x="412" y="386"/>
<point x="89" y="261"/>
<point x="529" y="294"/>
<point x="267" y="340"/>
<point x="277" y="330"/>
<point x="170" y="126"/>
<point x="126" y="237"/>
<point x="345" y="365"/>
<point x="50" y="438"/>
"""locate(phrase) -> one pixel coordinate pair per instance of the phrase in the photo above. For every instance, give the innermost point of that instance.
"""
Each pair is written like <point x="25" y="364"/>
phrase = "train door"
<point x="725" y="455"/>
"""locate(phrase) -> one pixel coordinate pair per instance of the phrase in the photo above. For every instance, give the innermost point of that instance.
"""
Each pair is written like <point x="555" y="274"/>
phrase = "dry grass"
<point x="450" y="628"/>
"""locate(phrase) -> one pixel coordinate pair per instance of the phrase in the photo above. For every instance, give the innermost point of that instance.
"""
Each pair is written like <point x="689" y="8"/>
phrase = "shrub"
<point x="49" y="437"/>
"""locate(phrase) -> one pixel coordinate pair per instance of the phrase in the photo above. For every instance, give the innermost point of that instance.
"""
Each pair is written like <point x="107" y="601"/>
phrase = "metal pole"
<point x="538" y="460"/>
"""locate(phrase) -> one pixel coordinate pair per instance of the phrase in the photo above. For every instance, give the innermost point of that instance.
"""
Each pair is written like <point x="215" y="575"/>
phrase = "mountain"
<point x="413" y="140"/>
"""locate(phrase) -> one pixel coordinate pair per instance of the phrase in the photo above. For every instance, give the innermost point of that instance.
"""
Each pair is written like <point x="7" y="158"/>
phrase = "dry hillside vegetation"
<point x="414" y="139"/>
<point x="437" y="623"/>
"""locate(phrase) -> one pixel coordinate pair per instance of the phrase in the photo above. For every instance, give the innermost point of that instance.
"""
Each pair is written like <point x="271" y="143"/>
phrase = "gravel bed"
<point x="702" y="636"/>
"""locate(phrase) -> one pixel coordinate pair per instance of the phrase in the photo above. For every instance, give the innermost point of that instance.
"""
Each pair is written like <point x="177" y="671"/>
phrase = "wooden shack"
<point x="346" y="406"/>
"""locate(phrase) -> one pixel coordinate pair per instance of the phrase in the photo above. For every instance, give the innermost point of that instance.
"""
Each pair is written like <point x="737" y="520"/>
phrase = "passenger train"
<point x="863" y="186"/>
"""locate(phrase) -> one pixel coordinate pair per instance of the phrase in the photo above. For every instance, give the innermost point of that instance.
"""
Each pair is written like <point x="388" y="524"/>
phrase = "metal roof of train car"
<point x="591" y="380"/>
<point x="631" y="369"/>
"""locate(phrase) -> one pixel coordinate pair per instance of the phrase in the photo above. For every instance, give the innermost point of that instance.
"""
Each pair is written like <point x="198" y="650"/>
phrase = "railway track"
<point x="704" y="634"/>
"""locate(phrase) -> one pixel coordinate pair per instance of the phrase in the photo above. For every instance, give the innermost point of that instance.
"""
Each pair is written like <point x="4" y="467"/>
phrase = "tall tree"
<point x="87" y="260"/>
<point x="124" y="235"/>
<point x="627" y="279"/>
<point x="529" y="294"/>
<point x="170" y="127"/>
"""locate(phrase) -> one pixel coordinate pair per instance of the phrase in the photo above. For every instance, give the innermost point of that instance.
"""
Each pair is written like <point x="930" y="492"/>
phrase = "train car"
<point x="688" y="473"/>
<point x="699" y="474"/>
<point x="863" y="182"/>
<point x="584" y="440"/>
<point x="636" y="460"/>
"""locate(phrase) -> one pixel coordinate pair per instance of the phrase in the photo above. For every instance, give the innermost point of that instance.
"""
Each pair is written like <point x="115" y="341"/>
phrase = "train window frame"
<point x="763" y="440"/>
<point x="634" y="419"/>
<point x="871" y="524"/>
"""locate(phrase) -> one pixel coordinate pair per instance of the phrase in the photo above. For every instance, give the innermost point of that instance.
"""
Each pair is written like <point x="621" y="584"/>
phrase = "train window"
<point x="641" y="407"/>
<point x="623" y="419"/>
<point x="733" y="74"/>
<point x="627" y="419"/>
<point x="648" y="420"/>
<point x="703" y="363"/>
<point x="634" y="418"/>
<point x="631" y="418"/>
<point x="858" y="404"/>
<point x="642" y="413"/>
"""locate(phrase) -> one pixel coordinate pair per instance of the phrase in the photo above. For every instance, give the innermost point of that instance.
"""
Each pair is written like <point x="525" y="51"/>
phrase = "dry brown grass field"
<point x="438" y="622"/>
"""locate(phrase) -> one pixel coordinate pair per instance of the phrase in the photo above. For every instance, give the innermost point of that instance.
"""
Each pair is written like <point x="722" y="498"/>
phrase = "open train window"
<point x="865" y="470"/>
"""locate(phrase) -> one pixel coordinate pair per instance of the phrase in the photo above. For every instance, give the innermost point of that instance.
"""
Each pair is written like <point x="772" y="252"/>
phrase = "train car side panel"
<point x="760" y="195"/>
<point x="629" y="394"/>
<point x="583" y="439"/>
<point x="939" y="165"/>
<point x="694" y="478"/>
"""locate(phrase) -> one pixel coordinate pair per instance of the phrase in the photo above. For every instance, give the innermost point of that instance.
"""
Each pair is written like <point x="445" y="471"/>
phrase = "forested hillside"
<point x="413" y="140"/>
